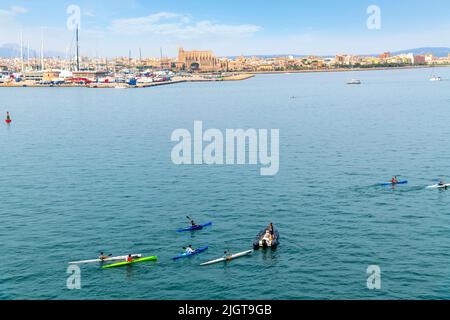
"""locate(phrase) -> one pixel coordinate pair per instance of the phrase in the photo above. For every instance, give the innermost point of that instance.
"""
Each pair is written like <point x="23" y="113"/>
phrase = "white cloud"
<point x="7" y="16"/>
<point x="89" y="13"/>
<point x="180" y="26"/>
<point x="18" y="10"/>
<point x="8" y="21"/>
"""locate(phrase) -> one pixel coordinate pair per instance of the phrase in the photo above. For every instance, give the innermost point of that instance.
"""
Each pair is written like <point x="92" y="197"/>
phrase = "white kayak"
<point x="232" y="257"/>
<point x="119" y="258"/>
<point x="437" y="186"/>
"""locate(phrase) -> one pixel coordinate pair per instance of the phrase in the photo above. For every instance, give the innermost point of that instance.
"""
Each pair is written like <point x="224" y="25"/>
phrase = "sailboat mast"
<point x="78" y="50"/>
<point x="42" y="50"/>
<point x="21" y="50"/>
<point x="28" y="54"/>
<point x="129" y="59"/>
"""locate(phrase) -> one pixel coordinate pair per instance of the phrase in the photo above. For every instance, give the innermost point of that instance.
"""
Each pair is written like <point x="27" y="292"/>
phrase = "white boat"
<point x="354" y="81"/>
<point x="435" y="78"/>
<point x="119" y="258"/>
<point x="120" y="87"/>
<point x="232" y="257"/>
<point x="438" y="186"/>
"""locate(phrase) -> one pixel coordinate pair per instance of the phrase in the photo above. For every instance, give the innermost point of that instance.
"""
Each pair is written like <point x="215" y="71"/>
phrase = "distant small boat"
<point x="435" y="78"/>
<point x="354" y="81"/>
<point x="120" y="87"/>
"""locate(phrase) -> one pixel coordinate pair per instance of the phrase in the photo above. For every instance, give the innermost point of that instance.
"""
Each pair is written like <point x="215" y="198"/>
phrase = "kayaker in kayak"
<point x="189" y="249"/>
<point x="103" y="256"/>
<point x="227" y="255"/>
<point x="193" y="224"/>
<point x="442" y="184"/>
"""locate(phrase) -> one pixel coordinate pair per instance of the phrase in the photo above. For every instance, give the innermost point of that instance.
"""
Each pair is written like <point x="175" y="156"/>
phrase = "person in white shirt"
<point x="189" y="249"/>
<point x="267" y="238"/>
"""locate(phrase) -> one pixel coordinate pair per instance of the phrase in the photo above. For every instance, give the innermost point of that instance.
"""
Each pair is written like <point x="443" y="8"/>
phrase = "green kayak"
<point x="122" y="264"/>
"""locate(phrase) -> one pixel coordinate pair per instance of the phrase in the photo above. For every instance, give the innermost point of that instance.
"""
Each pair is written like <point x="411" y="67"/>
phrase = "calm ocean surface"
<point x="84" y="170"/>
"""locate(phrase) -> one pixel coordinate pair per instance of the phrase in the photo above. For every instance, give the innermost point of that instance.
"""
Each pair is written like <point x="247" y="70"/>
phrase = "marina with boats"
<point x="76" y="70"/>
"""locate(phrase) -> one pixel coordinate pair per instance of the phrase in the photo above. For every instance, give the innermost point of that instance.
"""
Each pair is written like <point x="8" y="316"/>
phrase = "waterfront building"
<point x="237" y="64"/>
<point x="34" y="76"/>
<point x="372" y="61"/>
<point x="265" y="68"/>
<point x="199" y="61"/>
<point x="89" y="75"/>
<point x="402" y="59"/>
<point x="339" y="59"/>
<point x="429" y="58"/>
<point x="385" y="55"/>
<point x="419" y="59"/>
<point x="51" y="74"/>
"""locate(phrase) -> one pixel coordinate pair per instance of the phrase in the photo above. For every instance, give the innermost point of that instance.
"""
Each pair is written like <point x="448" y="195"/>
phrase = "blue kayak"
<point x="388" y="184"/>
<point x="185" y="255"/>
<point x="199" y="227"/>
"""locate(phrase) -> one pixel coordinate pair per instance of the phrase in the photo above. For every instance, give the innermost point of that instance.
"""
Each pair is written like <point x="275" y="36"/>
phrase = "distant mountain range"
<point x="12" y="50"/>
<point x="436" y="51"/>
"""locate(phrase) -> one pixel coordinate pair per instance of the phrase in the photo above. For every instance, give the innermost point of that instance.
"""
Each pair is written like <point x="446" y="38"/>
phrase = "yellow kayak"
<point x="126" y="263"/>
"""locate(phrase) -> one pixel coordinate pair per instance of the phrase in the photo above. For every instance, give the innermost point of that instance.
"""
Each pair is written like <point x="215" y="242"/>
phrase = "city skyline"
<point x="112" y="28"/>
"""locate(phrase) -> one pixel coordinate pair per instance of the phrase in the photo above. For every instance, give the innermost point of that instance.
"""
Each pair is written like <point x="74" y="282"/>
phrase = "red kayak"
<point x="8" y="121"/>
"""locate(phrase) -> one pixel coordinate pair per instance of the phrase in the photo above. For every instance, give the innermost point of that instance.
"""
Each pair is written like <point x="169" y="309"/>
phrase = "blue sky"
<point x="229" y="27"/>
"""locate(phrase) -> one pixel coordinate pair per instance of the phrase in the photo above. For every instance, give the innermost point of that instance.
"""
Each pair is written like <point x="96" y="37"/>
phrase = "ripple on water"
<point x="78" y="186"/>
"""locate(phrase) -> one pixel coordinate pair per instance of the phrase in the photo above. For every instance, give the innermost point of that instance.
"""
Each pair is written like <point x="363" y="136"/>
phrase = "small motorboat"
<point x="264" y="244"/>
<point x="354" y="81"/>
<point x="435" y="78"/>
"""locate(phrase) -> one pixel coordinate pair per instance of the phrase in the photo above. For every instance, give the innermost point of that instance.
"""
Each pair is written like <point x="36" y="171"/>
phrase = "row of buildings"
<point x="188" y="62"/>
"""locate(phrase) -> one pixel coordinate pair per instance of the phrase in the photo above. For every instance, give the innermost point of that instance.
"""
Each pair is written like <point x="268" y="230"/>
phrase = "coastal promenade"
<point x="238" y="76"/>
<point x="112" y="85"/>
<point x="349" y="69"/>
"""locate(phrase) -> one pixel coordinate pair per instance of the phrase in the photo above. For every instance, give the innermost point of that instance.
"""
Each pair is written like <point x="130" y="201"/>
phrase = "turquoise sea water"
<point x="85" y="170"/>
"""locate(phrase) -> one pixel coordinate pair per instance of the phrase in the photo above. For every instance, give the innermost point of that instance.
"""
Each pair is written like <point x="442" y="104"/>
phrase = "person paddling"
<point x="103" y="256"/>
<point x="394" y="180"/>
<point x="130" y="258"/>
<point x="192" y="222"/>
<point x="8" y="117"/>
<point x="227" y="255"/>
<point x="189" y="249"/>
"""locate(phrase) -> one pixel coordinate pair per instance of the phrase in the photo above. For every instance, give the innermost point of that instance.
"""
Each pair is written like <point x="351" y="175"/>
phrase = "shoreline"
<point x="238" y="76"/>
<point x="176" y="80"/>
<point x="348" y="70"/>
